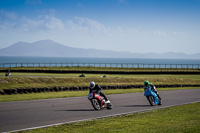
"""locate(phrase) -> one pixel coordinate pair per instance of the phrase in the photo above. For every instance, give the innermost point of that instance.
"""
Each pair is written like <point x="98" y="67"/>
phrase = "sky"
<point x="136" y="26"/>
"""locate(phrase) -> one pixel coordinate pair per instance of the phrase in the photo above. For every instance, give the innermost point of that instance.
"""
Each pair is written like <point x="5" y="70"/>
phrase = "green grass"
<point x="98" y="69"/>
<point x="179" y="119"/>
<point x="29" y="80"/>
<point x="76" y="75"/>
<point x="64" y="94"/>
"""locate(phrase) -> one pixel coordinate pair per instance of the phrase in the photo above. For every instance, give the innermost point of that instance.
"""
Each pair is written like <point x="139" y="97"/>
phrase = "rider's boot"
<point x="106" y="98"/>
<point x="158" y="96"/>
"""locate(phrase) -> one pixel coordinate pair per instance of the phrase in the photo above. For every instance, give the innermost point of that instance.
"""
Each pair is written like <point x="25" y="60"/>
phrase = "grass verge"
<point x="65" y="94"/>
<point x="101" y="69"/>
<point x="34" y="80"/>
<point x="179" y="119"/>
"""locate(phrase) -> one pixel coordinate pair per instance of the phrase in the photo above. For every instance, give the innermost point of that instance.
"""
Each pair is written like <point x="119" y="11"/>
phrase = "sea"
<point x="6" y="61"/>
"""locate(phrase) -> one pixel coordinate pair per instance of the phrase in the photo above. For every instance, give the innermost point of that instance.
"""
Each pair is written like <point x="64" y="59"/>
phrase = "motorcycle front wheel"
<point x="109" y="105"/>
<point x="160" y="101"/>
<point x="95" y="104"/>
<point x="151" y="100"/>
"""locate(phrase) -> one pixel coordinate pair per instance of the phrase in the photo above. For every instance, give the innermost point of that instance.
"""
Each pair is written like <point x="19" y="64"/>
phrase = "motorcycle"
<point x="152" y="97"/>
<point x="7" y="74"/>
<point x="98" y="102"/>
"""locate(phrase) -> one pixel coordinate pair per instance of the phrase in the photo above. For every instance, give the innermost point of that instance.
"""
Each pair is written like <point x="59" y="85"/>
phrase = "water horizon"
<point x="32" y="59"/>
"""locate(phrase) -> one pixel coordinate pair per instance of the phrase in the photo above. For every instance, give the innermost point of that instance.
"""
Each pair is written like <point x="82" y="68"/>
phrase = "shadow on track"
<point x="77" y="110"/>
<point x="136" y="106"/>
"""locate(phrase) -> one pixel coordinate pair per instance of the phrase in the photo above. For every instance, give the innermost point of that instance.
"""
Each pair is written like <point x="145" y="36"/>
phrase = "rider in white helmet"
<point x="97" y="89"/>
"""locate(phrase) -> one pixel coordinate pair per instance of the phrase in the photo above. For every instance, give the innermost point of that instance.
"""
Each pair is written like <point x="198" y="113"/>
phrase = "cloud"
<point x="81" y="32"/>
<point x="160" y="33"/>
<point x="90" y="24"/>
<point x="9" y="20"/>
<point x="53" y="23"/>
<point x="178" y="33"/>
<point x="133" y="31"/>
<point x="86" y="25"/>
<point x="47" y="21"/>
<point x="169" y="34"/>
<point x="4" y="15"/>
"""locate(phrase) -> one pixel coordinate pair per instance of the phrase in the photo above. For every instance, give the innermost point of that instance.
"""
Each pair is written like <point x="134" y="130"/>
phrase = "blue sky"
<point x="139" y="26"/>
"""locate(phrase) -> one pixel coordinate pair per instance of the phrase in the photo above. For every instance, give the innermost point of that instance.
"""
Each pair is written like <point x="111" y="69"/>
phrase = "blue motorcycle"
<point x="152" y="97"/>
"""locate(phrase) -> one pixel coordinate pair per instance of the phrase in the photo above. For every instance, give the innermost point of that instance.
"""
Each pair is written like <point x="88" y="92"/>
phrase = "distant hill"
<point x="48" y="48"/>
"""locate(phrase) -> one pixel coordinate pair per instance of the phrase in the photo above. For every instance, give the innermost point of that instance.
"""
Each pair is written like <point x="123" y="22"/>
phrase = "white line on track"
<point x="101" y="117"/>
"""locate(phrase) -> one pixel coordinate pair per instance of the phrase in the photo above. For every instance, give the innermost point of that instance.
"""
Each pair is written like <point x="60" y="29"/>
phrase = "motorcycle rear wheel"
<point x="95" y="104"/>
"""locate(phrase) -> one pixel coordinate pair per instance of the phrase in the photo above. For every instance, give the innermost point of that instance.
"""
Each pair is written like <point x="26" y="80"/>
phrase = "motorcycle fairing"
<point x="148" y="92"/>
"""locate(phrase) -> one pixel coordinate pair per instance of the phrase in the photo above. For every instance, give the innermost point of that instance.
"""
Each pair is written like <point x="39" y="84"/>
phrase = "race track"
<point x="41" y="113"/>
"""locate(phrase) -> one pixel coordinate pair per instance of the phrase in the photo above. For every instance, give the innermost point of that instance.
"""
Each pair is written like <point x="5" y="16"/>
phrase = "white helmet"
<point x="92" y="84"/>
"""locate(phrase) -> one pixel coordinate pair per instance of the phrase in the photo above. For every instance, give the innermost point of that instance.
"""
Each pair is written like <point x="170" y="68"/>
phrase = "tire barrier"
<point x="106" y="72"/>
<point x="83" y="88"/>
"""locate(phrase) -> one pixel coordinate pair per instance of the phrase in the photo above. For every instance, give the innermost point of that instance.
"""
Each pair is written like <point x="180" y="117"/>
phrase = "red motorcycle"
<point x="98" y="102"/>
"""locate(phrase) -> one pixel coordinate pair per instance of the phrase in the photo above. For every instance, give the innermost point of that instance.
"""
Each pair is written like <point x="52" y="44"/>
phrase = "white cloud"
<point x="119" y="29"/>
<point x="33" y="23"/>
<point x="7" y="15"/>
<point x="42" y="22"/>
<point x="179" y="33"/>
<point x="89" y="24"/>
<point x="168" y="34"/>
<point x="53" y="23"/>
<point x="133" y="31"/>
<point x="84" y="32"/>
<point x="160" y="33"/>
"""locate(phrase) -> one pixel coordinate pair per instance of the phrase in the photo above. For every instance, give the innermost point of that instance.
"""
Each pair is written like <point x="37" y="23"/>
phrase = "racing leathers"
<point x="153" y="88"/>
<point x="98" y="90"/>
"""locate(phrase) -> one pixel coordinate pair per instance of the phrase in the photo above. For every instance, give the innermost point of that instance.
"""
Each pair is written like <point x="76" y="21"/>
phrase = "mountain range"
<point x="48" y="48"/>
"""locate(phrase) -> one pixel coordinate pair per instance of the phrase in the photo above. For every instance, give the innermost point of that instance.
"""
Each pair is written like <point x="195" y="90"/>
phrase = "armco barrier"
<point x="82" y="88"/>
<point x="105" y="72"/>
<point x="105" y="65"/>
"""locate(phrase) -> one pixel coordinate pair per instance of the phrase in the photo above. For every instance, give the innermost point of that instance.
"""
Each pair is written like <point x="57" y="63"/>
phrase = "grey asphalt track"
<point x="16" y="116"/>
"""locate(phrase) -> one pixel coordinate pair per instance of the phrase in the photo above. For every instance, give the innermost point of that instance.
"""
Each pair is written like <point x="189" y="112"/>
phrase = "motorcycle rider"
<point x="97" y="89"/>
<point x="8" y="73"/>
<point x="153" y="88"/>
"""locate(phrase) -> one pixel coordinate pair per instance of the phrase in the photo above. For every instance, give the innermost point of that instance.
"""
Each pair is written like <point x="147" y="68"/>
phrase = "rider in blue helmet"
<point x="153" y="88"/>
